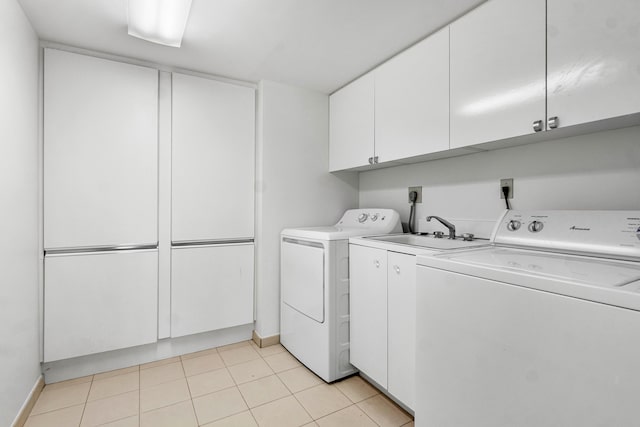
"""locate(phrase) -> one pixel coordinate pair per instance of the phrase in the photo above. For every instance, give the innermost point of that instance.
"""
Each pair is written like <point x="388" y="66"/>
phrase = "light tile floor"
<point x="237" y="385"/>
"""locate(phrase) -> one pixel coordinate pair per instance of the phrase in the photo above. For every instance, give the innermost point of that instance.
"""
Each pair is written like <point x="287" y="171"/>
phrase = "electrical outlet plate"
<point x="506" y="182"/>
<point x="417" y="190"/>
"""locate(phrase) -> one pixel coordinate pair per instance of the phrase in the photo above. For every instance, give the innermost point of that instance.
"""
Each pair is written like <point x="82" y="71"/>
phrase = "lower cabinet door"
<point x="368" y="311"/>
<point x="211" y="288"/>
<point x="99" y="301"/>
<point x="402" y="327"/>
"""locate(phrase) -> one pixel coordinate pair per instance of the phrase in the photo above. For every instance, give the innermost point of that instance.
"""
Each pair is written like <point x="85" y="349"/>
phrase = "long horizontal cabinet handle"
<point x="87" y="249"/>
<point x="303" y="242"/>
<point x="189" y="243"/>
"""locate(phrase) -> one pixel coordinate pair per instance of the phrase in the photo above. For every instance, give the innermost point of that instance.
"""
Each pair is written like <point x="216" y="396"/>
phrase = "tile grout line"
<point x="84" y="408"/>
<point x="239" y="391"/>
<point x="193" y="406"/>
<point x="139" y="395"/>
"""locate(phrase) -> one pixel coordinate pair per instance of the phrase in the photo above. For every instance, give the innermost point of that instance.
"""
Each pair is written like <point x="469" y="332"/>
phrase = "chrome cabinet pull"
<point x="377" y="263"/>
<point x="537" y="125"/>
<point x="553" y="122"/>
<point x="397" y="269"/>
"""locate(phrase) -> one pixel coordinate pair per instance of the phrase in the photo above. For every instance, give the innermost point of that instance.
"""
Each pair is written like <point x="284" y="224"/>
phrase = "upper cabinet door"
<point x="100" y="152"/>
<point x="213" y="164"/>
<point x="351" y="125"/>
<point x="593" y="59"/>
<point x="412" y="101"/>
<point x="497" y="71"/>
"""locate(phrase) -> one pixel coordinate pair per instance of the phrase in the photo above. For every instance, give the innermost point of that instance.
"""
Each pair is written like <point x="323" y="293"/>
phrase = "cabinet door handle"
<point x="553" y="122"/>
<point x="377" y="263"/>
<point x="537" y="125"/>
<point x="370" y="160"/>
<point x="375" y="159"/>
<point x="397" y="269"/>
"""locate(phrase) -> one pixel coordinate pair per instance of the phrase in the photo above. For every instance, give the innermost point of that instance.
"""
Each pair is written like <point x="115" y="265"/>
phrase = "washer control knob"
<point x="374" y="217"/>
<point x="513" y="225"/>
<point x="438" y="234"/>
<point x="363" y="217"/>
<point x="467" y="237"/>
<point x="536" y="226"/>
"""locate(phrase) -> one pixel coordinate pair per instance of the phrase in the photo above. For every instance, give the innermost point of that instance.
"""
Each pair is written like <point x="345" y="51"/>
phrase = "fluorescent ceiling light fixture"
<point x="159" y="21"/>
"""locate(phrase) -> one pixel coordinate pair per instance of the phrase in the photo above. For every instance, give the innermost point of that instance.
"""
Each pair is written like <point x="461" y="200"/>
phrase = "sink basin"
<point x="427" y="241"/>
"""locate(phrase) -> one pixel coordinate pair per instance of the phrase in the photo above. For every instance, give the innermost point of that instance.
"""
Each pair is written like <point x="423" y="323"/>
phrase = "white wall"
<point x="293" y="187"/>
<point x="595" y="171"/>
<point x="19" y="349"/>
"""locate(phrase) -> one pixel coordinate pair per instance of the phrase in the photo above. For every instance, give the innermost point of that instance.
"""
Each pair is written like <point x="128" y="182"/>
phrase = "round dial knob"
<point x="536" y="226"/>
<point x="374" y="217"/>
<point x="513" y="225"/>
<point x="467" y="237"/>
<point x="363" y="217"/>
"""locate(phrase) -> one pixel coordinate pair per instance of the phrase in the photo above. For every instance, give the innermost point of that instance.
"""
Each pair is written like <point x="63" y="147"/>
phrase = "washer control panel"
<point x="613" y="233"/>
<point x="375" y="219"/>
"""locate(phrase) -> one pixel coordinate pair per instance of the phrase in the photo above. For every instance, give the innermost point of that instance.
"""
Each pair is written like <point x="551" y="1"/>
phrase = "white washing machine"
<point x="314" y="289"/>
<point x="540" y="329"/>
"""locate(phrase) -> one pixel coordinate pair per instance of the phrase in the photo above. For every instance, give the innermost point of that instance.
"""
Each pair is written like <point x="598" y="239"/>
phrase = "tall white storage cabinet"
<point x="100" y="205"/>
<point x="213" y="145"/>
<point x="100" y="152"/>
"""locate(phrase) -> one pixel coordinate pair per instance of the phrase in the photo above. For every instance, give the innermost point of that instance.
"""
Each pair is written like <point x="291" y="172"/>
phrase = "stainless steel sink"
<point x="427" y="241"/>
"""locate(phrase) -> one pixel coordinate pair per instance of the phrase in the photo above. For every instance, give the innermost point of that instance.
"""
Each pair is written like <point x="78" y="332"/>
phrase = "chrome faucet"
<point x="451" y="227"/>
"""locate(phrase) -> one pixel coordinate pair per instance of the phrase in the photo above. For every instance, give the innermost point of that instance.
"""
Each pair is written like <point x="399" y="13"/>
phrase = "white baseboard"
<point x="28" y="404"/>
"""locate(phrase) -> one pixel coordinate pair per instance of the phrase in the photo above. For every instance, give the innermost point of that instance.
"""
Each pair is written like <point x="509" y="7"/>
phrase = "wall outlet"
<point x="417" y="190"/>
<point x="506" y="182"/>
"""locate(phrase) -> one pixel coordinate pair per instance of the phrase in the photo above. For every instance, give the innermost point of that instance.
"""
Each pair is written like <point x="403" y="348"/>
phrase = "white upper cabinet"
<point x="212" y="160"/>
<point x="351" y="129"/>
<point x="412" y="101"/>
<point x="593" y="59"/>
<point x="497" y="71"/>
<point x="100" y="152"/>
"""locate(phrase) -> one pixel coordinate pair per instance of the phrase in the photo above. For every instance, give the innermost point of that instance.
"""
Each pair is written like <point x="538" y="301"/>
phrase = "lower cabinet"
<point x="383" y="317"/>
<point x="99" y="301"/>
<point x="211" y="288"/>
<point x="368" y="311"/>
<point x="401" y="311"/>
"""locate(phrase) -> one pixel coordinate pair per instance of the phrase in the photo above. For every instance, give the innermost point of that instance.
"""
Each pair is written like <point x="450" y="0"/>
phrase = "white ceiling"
<point x="317" y="44"/>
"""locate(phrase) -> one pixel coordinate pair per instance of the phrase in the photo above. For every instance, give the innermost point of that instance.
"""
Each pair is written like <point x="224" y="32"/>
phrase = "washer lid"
<point x="327" y="233"/>
<point x="594" y="279"/>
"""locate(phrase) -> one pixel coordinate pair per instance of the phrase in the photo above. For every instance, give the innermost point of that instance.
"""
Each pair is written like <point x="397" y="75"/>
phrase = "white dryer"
<point x="538" y="330"/>
<point x="314" y="289"/>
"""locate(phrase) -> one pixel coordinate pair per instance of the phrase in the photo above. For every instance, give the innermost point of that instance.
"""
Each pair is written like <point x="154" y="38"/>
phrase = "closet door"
<point x="211" y="288"/>
<point x="99" y="301"/>
<point x="100" y="152"/>
<point x="213" y="166"/>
